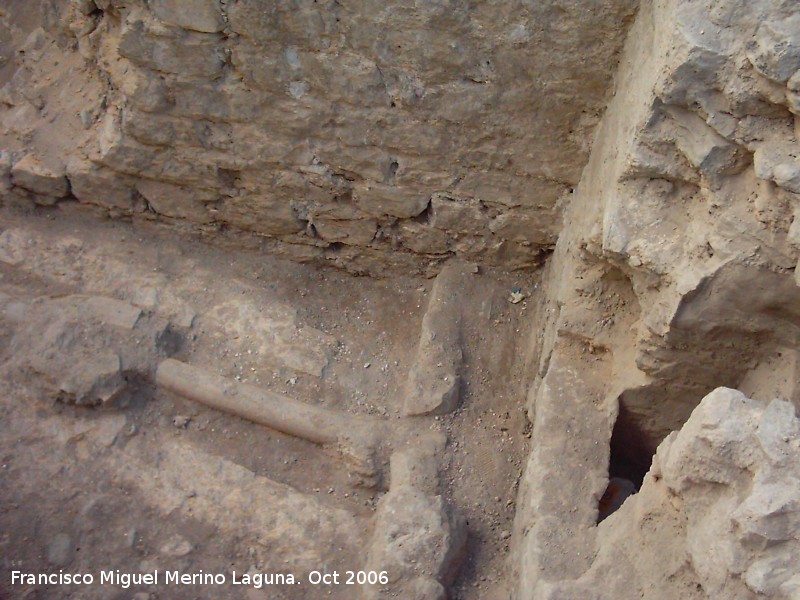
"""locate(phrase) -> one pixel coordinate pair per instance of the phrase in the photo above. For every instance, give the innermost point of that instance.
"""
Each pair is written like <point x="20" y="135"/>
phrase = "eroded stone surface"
<point x="434" y="382"/>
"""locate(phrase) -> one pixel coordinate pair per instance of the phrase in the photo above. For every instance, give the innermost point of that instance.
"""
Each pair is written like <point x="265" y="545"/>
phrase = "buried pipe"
<point x="312" y="423"/>
<point x="355" y="438"/>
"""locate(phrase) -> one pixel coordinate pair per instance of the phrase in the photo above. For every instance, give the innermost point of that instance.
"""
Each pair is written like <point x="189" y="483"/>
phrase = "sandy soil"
<point x="77" y="489"/>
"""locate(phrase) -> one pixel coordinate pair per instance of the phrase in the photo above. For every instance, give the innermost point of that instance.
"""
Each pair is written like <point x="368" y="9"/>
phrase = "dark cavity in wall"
<point x="631" y="448"/>
<point x="631" y="454"/>
<point x="426" y="215"/>
<point x="391" y="172"/>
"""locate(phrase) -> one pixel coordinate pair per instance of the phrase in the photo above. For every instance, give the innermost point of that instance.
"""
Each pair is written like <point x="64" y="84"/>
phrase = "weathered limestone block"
<point x="146" y="90"/>
<point x="418" y="541"/>
<point x="85" y="7"/>
<point x="505" y="189"/>
<point x="177" y="201"/>
<point x="533" y="226"/>
<point x="696" y="61"/>
<point x="97" y="379"/>
<point x="777" y="424"/>
<point x="454" y="213"/>
<point x="178" y="165"/>
<point x="775" y="51"/>
<point x="281" y="20"/>
<point x="558" y="508"/>
<point x="118" y="152"/>
<point x="356" y="232"/>
<point x="148" y="129"/>
<point x="193" y="168"/>
<point x="705" y="149"/>
<point x="684" y="460"/>
<point x="268" y="68"/>
<point x="82" y="21"/>
<point x="423" y="238"/>
<point x="380" y="200"/>
<point x="320" y="185"/>
<point x="719" y="449"/>
<point x="93" y="185"/>
<point x="771" y="513"/>
<point x="369" y="163"/>
<point x="198" y="15"/>
<point x="29" y="173"/>
<point x="229" y="101"/>
<point x="645" y="161"/>
<point x="435" y="378"/>
<point x="778" y="163"/>
<point x="261" y="213"/>
<point x="416" y="171"/>
<point x="352" y="77"/>
<point x="417" y="530"/>
<point x="787" y="176"/>
<point x="188" y="54"/>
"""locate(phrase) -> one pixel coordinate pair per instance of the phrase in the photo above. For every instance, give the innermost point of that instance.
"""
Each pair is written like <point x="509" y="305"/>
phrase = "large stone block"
<point x="94" y="185"/>
<point x="198" y="15"/>
<point x="261" y="213"/>
<point x="189" y="54"/>
<point x="30" y="173"/>
<point x="778" y="163"/>
<point x="775" y="51"/>
<point x="435" y="379"/>
<point x="146" y="90"/>
<point x="418" y="540"/>
<point x="353" y="232"/>
<point x="539" y="227"/>
<point x="313" y="23"/>
<point x="379" y="199"/>
<point x="705" y="149"/>
<point x="230" y="101"/>
<point x="422" y="238"/>
<point x="177" y="201"/>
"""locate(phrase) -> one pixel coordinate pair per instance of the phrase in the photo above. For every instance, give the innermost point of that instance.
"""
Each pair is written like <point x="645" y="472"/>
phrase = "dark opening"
<point x="426" y="215"/>
<point x="335" y="247"/>
<point x="632" y="449"/>
<point x="631" y="455"/>
<point x="391" y="172"/>
<point x="227" y="177"/>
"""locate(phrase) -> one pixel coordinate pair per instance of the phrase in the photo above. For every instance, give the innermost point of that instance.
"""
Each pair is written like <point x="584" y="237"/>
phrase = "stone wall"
<point x="343" y="129"/>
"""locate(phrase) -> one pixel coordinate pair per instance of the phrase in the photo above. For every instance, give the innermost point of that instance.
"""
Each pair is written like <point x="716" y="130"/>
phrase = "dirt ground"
<point x="154" y="481"/>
